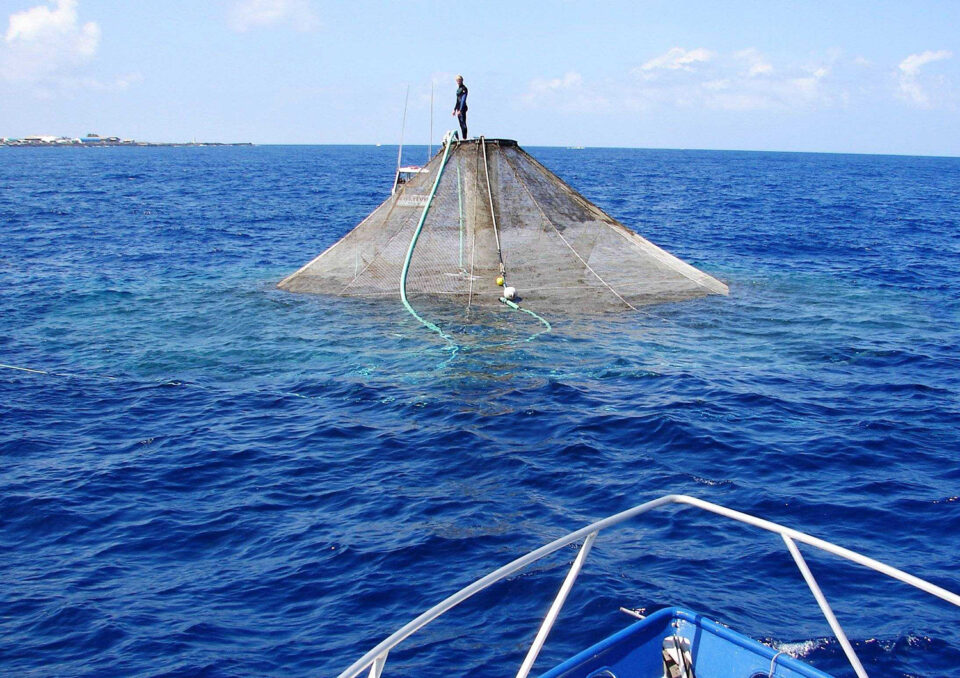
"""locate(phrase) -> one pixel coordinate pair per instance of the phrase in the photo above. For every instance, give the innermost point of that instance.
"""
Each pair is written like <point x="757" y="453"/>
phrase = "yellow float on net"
<point x="500" y="280"/>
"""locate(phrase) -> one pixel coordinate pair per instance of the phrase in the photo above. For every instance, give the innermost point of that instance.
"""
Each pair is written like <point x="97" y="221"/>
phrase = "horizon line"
<point x="196" y="143"/>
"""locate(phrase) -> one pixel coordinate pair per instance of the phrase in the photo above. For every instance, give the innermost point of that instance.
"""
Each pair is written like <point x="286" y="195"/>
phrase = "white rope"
<point x="22" y="369"/>
<point x="473" y="244"/>
<point x="773" y="663"/>
<point x="55" y="374"/>
<point x="493" y="215"/>
<point x="575" y="253"/>
<point x="677" y="265"/>
<point x="460" y="206"/>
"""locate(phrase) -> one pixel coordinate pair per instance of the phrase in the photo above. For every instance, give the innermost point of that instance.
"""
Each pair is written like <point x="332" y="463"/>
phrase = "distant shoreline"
<point x="103" y="144"/>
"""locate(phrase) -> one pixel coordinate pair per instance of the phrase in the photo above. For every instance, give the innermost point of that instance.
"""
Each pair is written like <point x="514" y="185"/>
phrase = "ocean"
<point x="205" y="476"/>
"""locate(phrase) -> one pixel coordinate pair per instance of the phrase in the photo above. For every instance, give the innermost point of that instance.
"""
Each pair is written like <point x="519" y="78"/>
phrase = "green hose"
<point x="453" y="346"/>
<point x="516" y="307"/>
<point x="460" y="205"/>
<point x="413" y="243"/>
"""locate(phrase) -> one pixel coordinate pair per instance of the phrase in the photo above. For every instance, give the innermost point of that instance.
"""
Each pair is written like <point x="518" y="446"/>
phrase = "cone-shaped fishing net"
<point x="556" y="248"/>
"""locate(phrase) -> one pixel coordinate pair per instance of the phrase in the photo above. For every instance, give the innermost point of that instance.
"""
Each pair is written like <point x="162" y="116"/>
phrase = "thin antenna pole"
<point x="403" y="125"/>
<point x="430" y="148"/>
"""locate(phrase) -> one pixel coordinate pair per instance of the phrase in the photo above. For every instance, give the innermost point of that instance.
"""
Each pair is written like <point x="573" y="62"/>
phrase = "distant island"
<point x="97" y="140"/>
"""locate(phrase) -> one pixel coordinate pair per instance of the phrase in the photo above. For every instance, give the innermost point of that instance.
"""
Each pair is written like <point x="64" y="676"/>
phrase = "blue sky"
<point x="850" y="76"/>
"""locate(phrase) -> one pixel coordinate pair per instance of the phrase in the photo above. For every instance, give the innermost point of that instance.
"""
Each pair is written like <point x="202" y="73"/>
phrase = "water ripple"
<point x="207" y="476"/>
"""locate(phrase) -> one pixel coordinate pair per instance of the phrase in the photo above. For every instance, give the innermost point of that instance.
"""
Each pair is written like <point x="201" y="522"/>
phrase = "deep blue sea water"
<point x="212" y="477"/>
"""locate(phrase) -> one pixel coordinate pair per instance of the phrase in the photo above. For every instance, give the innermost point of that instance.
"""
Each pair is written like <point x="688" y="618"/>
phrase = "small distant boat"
<point x="671" y="643"/>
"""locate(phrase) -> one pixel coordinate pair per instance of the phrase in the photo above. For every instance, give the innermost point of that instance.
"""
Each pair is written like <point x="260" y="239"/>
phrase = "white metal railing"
<point x="375" y="659"/>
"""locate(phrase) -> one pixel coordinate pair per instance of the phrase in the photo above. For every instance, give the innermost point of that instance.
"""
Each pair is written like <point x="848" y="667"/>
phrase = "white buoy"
<point x="509" y="293"/>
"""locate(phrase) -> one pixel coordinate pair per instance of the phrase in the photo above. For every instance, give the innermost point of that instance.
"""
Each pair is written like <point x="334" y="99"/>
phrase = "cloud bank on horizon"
<point x="746" y="80"/>
<point x="303" y="65"/>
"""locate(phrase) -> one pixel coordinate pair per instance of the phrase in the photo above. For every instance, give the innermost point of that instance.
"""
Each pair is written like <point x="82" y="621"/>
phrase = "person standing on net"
<point x="460" y="110"/>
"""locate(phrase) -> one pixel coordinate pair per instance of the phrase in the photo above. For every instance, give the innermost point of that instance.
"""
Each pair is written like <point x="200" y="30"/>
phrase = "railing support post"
<point x="376" y="668"/>
<point x="554" y="610"/>
<point x="825" y="607"/>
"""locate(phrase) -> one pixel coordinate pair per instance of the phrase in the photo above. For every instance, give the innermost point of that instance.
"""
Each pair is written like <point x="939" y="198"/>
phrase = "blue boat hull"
<point x="715" y="650"/>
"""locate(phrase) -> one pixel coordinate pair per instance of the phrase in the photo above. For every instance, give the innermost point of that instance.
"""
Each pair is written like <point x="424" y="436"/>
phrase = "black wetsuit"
<point x="461" y="109"/>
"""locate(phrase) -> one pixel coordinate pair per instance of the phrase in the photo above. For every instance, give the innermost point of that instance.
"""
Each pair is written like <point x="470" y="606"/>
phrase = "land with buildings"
<point x="97" y="140"/>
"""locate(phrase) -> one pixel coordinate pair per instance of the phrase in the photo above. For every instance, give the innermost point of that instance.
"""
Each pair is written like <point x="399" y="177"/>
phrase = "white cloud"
<point x="45" y="43"/>
<point x="568" y="81"/>
<point x="70" y="84"/>
<point x="742" y="80"/>
<point x="699" y="78"/>
<point x="908" y="76"/>
<point x="746" y="80"/>
<point x="808" y="84"/>
<point x="677" y="58"/>
<point x="911" y="65"/>
<point x="567" y="93"/>
<point x="755" y="61"/>
<point x="246" y="15"/>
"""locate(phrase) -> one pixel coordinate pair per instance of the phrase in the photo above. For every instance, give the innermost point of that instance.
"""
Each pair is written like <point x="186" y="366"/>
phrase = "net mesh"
<point x="559" y="250"/>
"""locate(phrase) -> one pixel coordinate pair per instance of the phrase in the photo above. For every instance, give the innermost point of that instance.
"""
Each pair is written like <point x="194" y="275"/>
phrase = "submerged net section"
<point x="561" y="252"/>
<point x="597" y="262"/>
<point x="367" y="261"/>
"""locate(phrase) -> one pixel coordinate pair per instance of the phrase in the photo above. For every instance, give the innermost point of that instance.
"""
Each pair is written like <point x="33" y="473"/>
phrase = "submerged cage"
<point x="483" y="215"/>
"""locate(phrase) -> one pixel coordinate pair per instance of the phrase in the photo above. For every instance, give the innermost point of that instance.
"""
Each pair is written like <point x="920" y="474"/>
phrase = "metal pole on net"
<point x="403" y="126"/>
